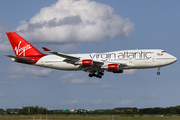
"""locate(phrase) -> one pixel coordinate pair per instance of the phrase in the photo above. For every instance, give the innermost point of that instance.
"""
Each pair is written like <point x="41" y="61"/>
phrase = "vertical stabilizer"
<point x="20" y="46"/>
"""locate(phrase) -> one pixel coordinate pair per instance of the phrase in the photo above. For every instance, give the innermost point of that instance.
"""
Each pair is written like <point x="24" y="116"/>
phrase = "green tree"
<point x="128" y="112"/>
<point x="134" y="110"/>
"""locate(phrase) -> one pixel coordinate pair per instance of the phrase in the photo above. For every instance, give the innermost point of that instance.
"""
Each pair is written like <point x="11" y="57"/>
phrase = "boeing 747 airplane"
<point x="94" y="63"/>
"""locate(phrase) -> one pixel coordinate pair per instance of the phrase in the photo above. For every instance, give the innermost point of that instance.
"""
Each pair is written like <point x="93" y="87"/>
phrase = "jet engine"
<point x="85" y="63"/>
<point x="113" y="68"/>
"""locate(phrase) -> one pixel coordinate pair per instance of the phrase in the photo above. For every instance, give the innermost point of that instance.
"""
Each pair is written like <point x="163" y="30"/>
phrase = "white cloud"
<point x="78" y="78"/>
<point x="19" y="69"/>
<point x="66" y="47"/>
<point x="129" y="72"/>
<point x="106" y="86"/>
<point x="126" y="102"/>
<point x="97" y="102"/>
<point x="68" y="76"/>
<point x="83" y="81"/>
<point x="75" y="21"/>
<point x="16" y="77"/>
<point x="70" y="102"/>
<point x="2" y="95"/>
<point x="79" y="81"/>
<point x="4" y="44"/>
<point x="8" y="83"/>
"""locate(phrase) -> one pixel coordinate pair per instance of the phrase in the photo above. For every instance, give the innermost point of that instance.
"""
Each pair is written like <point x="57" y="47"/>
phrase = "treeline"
<point x="130" y="111"/>
<point x="157" y="110"/>
<point x="134" y="110"/>
<point x="32" y="110"/>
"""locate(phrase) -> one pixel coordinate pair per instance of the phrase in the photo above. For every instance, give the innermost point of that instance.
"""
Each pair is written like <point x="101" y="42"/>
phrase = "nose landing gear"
<point x="158" y="73"/>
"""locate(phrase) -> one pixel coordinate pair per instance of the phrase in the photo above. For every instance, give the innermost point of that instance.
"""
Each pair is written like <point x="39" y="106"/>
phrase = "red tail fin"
<point x="20" y="46"/>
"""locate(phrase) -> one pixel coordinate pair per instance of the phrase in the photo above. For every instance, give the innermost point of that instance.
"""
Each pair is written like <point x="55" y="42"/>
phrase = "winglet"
<point x="45" y="49"/>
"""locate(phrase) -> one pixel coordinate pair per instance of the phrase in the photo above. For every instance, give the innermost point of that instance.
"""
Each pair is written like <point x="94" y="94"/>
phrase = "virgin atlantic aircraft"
<point x="94" y="63"/>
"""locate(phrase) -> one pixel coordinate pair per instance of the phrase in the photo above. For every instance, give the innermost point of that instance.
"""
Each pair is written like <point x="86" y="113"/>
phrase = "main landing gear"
<point x="158" y="73"/>
<point x="98" y="75"/>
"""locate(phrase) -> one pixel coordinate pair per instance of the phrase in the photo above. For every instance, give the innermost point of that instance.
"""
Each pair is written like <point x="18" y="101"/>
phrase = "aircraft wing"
<point x="60" y="54"/>
<point x="20" y="58"/>
<point x="76" y="61"/>
<point x="71" y="59"/>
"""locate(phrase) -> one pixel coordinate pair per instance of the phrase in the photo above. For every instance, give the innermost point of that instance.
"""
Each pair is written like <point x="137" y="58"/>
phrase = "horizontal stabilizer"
<point x="19" y="58"/>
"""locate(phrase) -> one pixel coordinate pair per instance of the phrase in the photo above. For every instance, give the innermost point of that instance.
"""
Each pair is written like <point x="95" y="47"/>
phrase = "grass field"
<point x="98" y="117"/>
<point x="175" y="117"/>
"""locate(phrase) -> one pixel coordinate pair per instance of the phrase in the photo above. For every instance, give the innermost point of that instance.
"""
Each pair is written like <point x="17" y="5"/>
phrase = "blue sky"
<point x="151" y="24"/>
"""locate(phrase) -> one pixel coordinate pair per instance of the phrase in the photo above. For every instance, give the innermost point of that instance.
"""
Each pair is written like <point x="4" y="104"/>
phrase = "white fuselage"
<point x="135" y="59"/>
<point x="94" y="63"/>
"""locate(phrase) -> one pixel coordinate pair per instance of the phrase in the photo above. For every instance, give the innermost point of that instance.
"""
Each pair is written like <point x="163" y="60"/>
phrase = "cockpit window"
<point x="163" y="51"/>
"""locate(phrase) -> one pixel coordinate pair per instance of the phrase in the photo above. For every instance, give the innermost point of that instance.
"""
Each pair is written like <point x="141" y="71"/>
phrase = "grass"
<point x="98" y="117"/>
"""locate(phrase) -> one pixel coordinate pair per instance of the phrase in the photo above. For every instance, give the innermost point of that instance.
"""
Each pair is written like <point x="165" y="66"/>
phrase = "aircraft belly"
<point x="65" y="66"/>
<point x="60" y="66"/>
<point x="57" y="64"/>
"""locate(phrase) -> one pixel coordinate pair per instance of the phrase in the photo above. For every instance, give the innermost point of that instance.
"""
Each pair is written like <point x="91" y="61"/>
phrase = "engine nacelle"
<point x="113" y="67"/>
<point x="85" y="63"/>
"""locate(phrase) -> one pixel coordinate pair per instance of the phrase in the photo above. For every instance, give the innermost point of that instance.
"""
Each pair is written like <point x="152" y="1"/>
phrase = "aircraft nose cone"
<point x="175" y="59"/>
<point x="172" y="59"/>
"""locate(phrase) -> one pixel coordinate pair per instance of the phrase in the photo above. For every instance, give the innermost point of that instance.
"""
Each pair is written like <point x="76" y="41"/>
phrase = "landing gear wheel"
<point x="101" y="73"/>
<point x="98" y="75"/>
<point x="90" y="75"/>
<point x="158" y="73"/>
